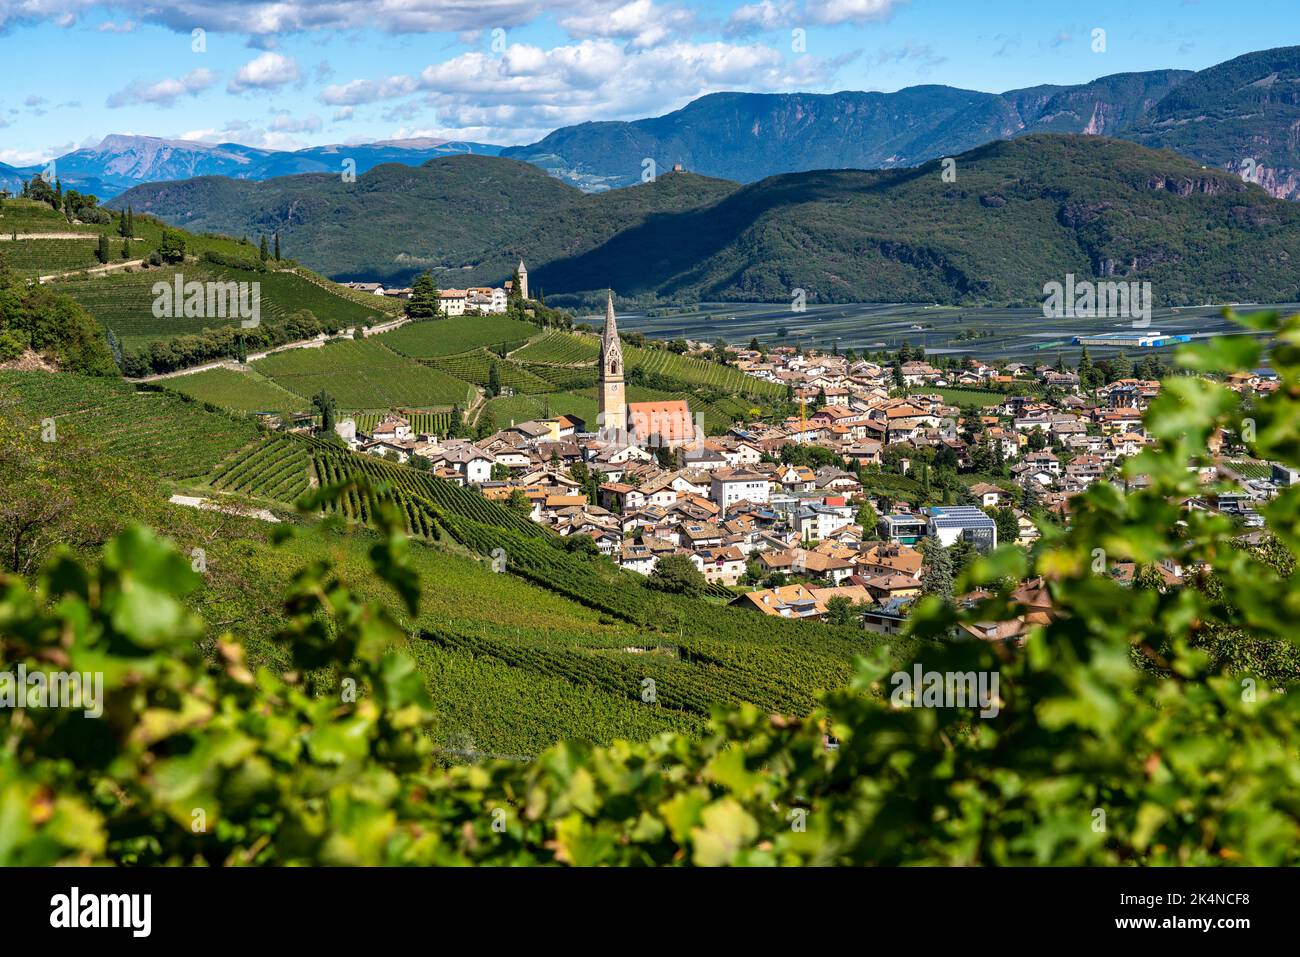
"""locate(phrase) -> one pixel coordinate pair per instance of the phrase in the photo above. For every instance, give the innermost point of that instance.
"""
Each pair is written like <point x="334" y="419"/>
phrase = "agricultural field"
<point x="1020" y="334"/>
<point x="483" y="704"/>
<point x="40" y="257"/>
<point x="566" y="377"/>
<point x="29" y="216"/>
<point x="476" y="367"/>
<point x="283" y="466"/>
<point x="1252" y="469"/>
<point x="559" y="348"/>
<point x="422" y="423"/>
<point x="363" y="375"/>
<point x="573" y="349"/>
<point x="698" y="373"/>
<point x="967" y="396"/>
<point x="123" y="302"/>
<point x="524" y="408"/>
<point x="157" y="431"/>
<point x="236" y="391"/>
<point x="449" y="337"/>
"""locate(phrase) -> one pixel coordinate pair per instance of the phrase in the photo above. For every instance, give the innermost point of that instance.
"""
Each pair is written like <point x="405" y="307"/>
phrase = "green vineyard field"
<point x="448" y="337"/>
<point x="158" y="431"/>
<point x="559" y="348"/>
<point x="123" y="302"/>
<point x="476" y="367"/>
<point x="236" y="391"/>
<point x="363" y="375"/>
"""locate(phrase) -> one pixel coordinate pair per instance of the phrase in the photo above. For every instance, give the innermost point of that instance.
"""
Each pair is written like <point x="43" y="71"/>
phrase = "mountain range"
<point x="120" y="162"/>
<point x="1008" y="217"/>
<point x="1242" y="115"/>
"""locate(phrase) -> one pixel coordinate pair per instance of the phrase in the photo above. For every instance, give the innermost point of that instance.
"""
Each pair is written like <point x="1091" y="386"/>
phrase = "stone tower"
<point x="523" y="280"/>
<point x="613" y="398"/>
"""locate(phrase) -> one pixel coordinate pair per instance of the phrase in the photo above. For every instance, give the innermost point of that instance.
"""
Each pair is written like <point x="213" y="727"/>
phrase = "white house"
<point x="729" y="486"/>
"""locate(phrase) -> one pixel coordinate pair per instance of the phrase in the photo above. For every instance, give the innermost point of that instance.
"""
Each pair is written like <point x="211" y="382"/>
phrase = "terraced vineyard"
<point x="42" y="257"/>
<point x="157" y="431"/>
<point x="476" y="367"/>
<point x="237" y="391"/>
<point x="29" y="216"/>
<point x="391" y="308"/>
<point x="448" y="337"/>
<point x="565" y="378"/>
<point x="559" y="348"/>
<point x="277" y="468"/>
<point x="123" y="302"/>
<point x="523" y="408"/>
<point x="284" y="466"/>
<point x="363" y="375"/>
<point x="698" y="373"/>
<point x="422" y="423"/>
<point x="782" y="664"/>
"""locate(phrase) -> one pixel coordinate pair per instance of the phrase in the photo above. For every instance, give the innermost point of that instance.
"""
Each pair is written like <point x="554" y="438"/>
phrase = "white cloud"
<point x="776" y="14"/>
<point x="343" y="114"/>
<point x="765" y="15"/>
<point x="266" y="72"/>
<point x="641" y="21"/>
<point x="368" y="91"/>
<point x="527" y="92"/>
<point x="850" y="11"/>
<point x="285" y="122"/>
<point x="110" y="27"/>
<point x="163" y="93"/>
<point x="279" y="17"/>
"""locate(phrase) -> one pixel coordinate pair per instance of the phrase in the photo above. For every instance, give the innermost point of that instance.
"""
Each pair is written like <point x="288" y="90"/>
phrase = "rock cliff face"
<point x="1242" y="112"/>
<point x="748" y="136"/>
<point x="1242" y="115"/>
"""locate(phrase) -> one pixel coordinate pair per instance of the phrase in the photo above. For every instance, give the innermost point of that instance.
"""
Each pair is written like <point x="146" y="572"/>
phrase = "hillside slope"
<point x="467" y="218"/>
<point x="1021" y="213"/>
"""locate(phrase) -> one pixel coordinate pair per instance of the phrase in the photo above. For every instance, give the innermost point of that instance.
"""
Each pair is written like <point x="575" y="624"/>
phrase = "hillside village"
<point x="878" y="491"/>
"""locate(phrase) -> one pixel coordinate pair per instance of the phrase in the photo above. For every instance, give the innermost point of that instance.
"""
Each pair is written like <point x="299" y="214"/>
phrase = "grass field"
<point x="237" y="391"/>
<point x="448" y="337"/>
<point x="362" y="375"/>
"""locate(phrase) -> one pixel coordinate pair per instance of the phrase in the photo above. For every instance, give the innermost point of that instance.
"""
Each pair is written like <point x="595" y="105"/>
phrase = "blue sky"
<point x="297" y="73"/>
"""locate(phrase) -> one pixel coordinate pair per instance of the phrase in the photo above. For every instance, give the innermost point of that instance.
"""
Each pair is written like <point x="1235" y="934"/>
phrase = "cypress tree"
<point x="102" y="254"/>
<point x="277" y="246"/>
<point x="114" y="346"/>
<point x="264" y="252"/>
<point x="937" y="579"/>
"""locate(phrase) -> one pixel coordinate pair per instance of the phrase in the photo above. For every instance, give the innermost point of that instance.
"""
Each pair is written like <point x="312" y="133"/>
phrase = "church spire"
<point x="611" y="328"/>
<point x="613" y="404"/>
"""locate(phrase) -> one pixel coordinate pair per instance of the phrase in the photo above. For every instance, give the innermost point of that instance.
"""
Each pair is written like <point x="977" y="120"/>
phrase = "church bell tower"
<point x="613" y="396"/>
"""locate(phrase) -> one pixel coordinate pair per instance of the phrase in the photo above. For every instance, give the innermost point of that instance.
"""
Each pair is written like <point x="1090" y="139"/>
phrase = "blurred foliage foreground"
<point x="1120" y="738"/>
